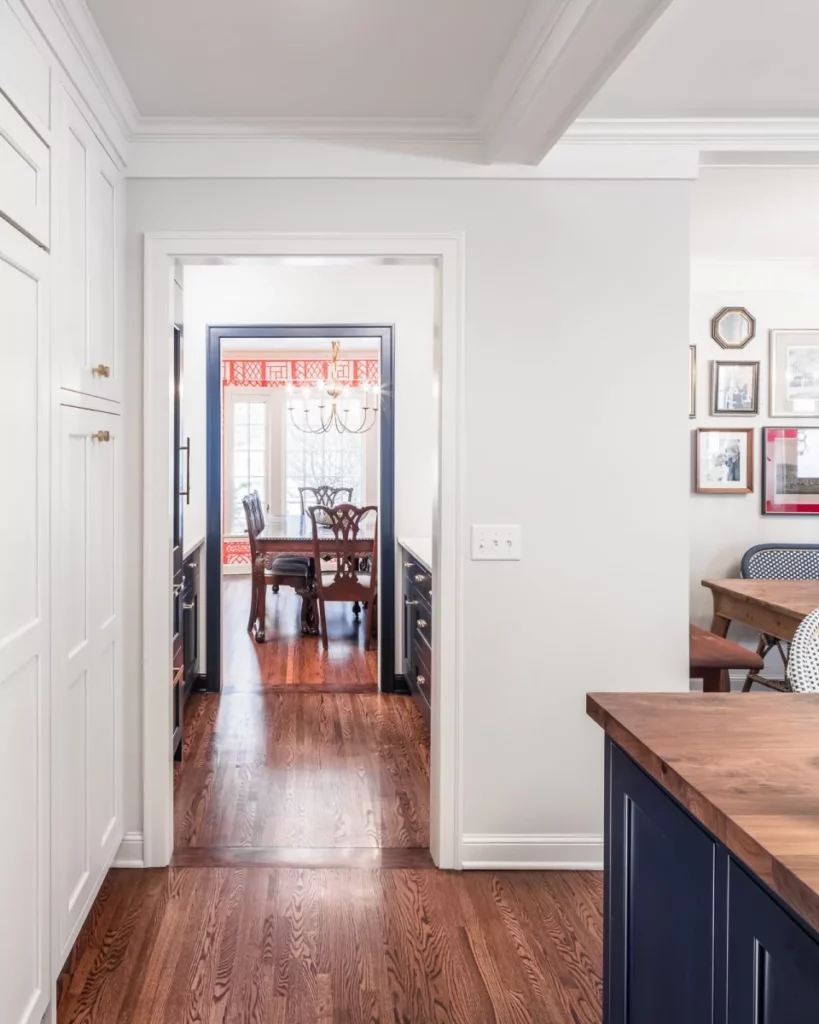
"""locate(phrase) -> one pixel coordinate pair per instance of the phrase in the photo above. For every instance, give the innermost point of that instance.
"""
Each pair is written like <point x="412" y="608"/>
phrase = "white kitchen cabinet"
<point x="25" y="978"/>
<point x="25" y="175"/>
<point x="86" y="698"/>
<point x="87" y="255"/>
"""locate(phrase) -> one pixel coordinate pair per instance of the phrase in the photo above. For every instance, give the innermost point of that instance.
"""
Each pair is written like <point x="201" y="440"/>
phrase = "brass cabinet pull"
<point x="193" y="565"/>
<point x="188" y="607"/>
<point x="409" y="603"/>
<point x="186" y="494"/>
<point x="420" y="577"/>
<point x="407" y="565"/>
<point x="422" y="623"/>
<point x="101" y="370"/>
<point x="177" y="587"/>
<point x="101" y="435"/>
<point x="421" y="680"/>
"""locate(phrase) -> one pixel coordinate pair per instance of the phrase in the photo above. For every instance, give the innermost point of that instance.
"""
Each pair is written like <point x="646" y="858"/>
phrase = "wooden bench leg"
<point x="715" y="680"/>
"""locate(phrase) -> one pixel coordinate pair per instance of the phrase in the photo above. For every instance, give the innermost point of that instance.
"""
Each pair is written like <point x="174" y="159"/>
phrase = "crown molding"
<point x="346" y="129"/>
<point x="562" y="53"/>
<point x="717" y="134"/>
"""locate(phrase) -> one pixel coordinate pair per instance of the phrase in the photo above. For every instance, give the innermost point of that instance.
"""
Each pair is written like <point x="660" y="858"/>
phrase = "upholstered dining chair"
<point x="344" y="580"/>
<point x="777" y="562"/>
<point x="803" y="663"/>
<point x="323" y="494"/>
<point x="281" y="571"/>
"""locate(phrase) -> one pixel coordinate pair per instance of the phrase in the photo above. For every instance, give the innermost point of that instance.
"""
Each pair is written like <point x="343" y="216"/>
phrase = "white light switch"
<point x="496" y="543"/>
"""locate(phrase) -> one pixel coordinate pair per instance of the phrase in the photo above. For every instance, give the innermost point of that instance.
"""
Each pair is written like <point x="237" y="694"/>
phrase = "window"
<point x="249" y="457"/>
<point x="332" y="458"/>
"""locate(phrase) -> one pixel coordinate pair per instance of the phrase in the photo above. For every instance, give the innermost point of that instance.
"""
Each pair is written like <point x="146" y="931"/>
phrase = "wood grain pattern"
<point x="295" y="946"/>
<point x="302" y="770"/>
<point x="288" y="659"/>
<point x="769" y="606"/>
<point x="747" y="767"/>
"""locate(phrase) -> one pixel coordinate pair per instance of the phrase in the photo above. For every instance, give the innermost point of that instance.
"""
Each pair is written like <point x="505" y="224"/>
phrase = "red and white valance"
<point x="275" y="373"/>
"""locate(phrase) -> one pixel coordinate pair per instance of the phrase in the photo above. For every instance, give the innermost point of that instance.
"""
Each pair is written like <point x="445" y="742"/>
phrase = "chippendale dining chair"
<point x="281" y="571"/>
<point x="323" y="494"/>
<point x="346" y="581"/>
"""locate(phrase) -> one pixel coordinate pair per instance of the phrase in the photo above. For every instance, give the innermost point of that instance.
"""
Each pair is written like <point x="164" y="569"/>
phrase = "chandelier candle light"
<point x="333" y="404"/>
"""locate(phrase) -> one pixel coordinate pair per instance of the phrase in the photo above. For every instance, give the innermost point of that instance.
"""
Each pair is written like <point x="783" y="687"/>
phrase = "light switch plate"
<point x="496" y="543"/>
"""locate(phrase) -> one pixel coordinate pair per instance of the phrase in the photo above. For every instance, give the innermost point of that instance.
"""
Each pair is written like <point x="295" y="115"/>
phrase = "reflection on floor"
<point x="287" y="659"/>
<point x="292" y="946"/>
<point x="302" y="770"/>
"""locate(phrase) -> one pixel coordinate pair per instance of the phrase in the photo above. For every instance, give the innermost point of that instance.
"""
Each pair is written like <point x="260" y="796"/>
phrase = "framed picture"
<point x="795" y="373"/>
<point x="725" y="461"/>
<point x="790" y="470"/>
<point x="692" y="381"/>
<point x="735" y="388"/>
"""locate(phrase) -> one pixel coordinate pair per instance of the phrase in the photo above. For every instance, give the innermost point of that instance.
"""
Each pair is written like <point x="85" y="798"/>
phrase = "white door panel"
<point x="87" y="814"/>
<point x="24" y="654"/>
<point x="25" y="175"/>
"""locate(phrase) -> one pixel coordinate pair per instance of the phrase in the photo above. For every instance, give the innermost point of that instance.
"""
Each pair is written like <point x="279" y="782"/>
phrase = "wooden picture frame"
<point x="734" y="388"/>
<point x="724" y="460"/>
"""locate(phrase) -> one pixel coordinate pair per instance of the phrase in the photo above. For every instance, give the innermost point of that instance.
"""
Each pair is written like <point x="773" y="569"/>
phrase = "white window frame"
<point x="232" y="397"/>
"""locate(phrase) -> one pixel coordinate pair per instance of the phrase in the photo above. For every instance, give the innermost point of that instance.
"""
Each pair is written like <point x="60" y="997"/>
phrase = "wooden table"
<point x="293" y="535"/>
<point x="768" y="606"/>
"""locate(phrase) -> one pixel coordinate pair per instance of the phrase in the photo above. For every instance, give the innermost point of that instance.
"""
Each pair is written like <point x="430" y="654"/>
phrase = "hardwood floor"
<point x="316" y="771"/>
<point x="288" y="660"/>
<point x="295" y="946"/>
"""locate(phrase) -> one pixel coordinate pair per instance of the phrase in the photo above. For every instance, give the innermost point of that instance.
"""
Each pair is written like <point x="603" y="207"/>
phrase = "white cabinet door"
<point x="25" y="174"/>
<point x="85" y="323"/>
<point x="87" y="817"/>
<point x="24" y="655"/>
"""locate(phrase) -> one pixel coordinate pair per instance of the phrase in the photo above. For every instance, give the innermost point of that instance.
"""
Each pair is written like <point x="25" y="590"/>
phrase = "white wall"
<point x="755" y="244"/>
<point x="566" y="431"/>
<point x="341" y="294"/>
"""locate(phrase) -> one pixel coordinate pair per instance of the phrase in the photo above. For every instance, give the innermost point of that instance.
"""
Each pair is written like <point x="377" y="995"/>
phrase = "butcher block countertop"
<point x="746" y="765"/>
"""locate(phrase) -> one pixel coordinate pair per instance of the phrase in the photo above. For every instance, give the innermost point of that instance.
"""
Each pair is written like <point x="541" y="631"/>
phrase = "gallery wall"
<point x="574" y="427"/>
<point x="755" y="243"/>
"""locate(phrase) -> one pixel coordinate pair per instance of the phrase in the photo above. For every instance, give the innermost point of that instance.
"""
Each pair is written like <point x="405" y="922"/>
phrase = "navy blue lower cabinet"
<point x="773" y="963"/>
<point x="664" y="886"/>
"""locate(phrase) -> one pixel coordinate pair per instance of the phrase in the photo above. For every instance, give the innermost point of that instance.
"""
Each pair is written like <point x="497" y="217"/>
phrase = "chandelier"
<point x="333" y="407"/>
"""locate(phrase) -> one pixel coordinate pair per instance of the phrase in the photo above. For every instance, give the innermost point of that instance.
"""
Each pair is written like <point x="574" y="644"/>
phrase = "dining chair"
<point x="262" y="519"/>
<point x="282" y="571"/>
<point x="323" y="494"/>
<point x="803" y="663"/>
<point x="777" y="562"/>
<point x="346" y="581"/>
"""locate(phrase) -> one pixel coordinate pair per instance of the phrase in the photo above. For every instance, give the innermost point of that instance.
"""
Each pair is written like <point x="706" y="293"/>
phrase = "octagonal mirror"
<point x="733" y="327"/>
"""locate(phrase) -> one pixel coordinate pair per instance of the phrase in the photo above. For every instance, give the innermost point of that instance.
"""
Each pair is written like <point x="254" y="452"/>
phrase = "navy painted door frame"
<point x="386" y="514"/>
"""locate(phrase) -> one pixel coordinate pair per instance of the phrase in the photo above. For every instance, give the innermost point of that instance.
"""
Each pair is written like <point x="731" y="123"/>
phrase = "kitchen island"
<point x="711" y="899"/>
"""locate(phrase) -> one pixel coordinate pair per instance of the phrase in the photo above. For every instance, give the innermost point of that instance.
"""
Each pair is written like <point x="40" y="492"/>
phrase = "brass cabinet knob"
<point x="101" y="435"/>
<point x="421" y="680"/>
<point x="422" y="623"/>
<point x="188" y="607"/>
<point x="420" y="577"/>
<point x="409" y="603"/>
<point x="193" y="565"/>
<point x="101" y="370"/>
<point x="407" y="565"/>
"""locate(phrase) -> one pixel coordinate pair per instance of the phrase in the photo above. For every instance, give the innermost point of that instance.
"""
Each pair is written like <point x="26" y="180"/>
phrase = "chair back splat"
<point x="323" y="494"/>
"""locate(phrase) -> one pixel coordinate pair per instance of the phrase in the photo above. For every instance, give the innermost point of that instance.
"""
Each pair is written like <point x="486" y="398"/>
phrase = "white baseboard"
<point x="237" y="569"/>
<point x="532" y="853"/>
<point x="129" y="854"/>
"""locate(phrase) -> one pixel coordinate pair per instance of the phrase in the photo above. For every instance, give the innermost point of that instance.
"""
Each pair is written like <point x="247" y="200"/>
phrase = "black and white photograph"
<point x="794" y="373"/>
<point x="725" y="461"/>
<point x="735" y="388"/>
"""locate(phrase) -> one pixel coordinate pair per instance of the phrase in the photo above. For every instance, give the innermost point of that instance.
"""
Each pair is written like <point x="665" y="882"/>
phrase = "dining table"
<point x="293" y="535"/>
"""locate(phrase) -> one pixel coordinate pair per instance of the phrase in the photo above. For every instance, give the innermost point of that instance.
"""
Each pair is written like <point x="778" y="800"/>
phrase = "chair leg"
<point x="369" y="622"/>
<point x="323" y="621"/>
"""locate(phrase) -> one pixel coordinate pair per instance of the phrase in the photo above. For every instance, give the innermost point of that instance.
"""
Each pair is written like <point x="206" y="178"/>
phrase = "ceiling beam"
<point x="564" y="51"/>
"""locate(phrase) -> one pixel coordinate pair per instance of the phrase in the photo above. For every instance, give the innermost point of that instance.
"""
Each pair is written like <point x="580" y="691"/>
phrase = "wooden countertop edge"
<point x="798" y="895"/>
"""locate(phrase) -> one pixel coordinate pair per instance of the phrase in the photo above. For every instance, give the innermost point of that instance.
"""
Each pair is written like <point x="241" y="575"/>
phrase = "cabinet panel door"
<point x="24" y="654"/>
<point x="25" y="175"/>
<point x="660" y="905"/>
<point x="773" y="963"/>
<point x="85" y="317"/>
<point x="87" y="817"/>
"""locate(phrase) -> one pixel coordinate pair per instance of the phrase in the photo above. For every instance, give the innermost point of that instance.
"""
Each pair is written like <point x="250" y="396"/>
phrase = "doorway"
<point x="224" y="540"/>
<point x="445" y="254"/>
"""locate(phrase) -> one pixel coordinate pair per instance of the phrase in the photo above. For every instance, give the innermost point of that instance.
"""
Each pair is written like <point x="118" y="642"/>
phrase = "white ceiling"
<point x="309" y="58"/>
<point x="720" y="58"/>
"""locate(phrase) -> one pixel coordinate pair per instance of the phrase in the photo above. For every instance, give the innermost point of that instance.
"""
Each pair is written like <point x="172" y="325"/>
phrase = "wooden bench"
<point x="710" y="656"/>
